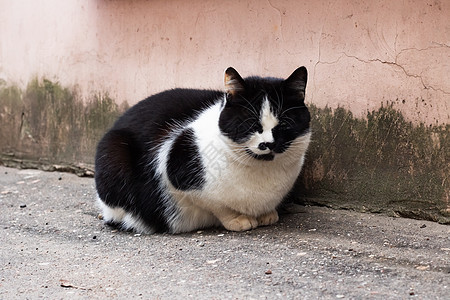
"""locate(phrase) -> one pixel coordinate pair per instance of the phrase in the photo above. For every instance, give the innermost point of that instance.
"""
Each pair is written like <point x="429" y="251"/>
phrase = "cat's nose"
<point x="264" y="146"/>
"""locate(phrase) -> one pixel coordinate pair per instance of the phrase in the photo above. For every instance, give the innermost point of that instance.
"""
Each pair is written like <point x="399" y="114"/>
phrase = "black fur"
<point x="184" y="166"/>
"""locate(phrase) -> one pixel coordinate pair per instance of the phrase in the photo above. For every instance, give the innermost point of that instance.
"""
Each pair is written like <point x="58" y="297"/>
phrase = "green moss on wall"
<point x="10" y="116"/>
<point x="379" y="164"/>
<point x="49" y="126"/>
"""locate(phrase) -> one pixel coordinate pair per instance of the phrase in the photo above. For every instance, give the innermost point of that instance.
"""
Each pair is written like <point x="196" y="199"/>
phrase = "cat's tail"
<point x="129" y="193"/>
<point x="117" y="167"/>
<point x="116" y="163"/>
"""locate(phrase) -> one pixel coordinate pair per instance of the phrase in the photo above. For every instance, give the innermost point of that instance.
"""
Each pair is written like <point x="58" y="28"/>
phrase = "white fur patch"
<point x="119" y="215"/>
<point x="109" y="213"/>
<point x="187" y="215"/>
<point x="268" y="121"/>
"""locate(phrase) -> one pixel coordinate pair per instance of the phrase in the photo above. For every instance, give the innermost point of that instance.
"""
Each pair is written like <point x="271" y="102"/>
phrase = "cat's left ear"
<point x="297" y="81"/>
<point x="233" y="82"/>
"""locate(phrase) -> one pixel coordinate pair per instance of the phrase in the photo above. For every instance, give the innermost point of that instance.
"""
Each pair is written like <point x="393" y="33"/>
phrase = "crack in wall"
<point x="391" y="63"/>
<point x="441" y="45"/>
<point x="280" y="13"/>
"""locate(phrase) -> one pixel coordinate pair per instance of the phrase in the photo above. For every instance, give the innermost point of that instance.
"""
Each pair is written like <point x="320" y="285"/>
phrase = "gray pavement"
<point x="53" y="246"/>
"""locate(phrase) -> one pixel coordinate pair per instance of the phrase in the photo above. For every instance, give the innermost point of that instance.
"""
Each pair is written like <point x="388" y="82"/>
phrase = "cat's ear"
<point x="297" y="81"/>
<point x="233" y="82"/>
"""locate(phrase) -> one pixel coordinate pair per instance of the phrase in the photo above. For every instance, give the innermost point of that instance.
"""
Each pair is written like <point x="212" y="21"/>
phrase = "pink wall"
<point x="360" y="54"/>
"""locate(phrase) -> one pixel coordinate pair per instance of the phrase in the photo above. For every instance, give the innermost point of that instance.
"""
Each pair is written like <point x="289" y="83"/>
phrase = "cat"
<point x="187" y="159"/>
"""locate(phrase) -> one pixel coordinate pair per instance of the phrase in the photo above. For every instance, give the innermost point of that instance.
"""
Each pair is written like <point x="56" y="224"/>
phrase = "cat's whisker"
<point x="253" y="109"/>
<point x="243" y="122"/>
<point x="291" y="108"/>
<point x="291" y="121"/>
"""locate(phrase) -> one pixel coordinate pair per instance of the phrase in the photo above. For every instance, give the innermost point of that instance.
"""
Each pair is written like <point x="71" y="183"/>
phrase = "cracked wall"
<point x="361" y="56"/>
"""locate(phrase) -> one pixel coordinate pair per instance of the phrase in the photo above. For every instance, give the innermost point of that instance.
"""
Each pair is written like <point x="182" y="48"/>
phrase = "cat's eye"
<point x="259" y="128"/>
<point x="256" y="127"/>
<point x="284" y="125"/>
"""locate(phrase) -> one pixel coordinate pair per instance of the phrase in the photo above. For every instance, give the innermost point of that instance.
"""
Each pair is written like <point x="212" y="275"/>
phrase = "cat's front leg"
<point x="235" y="221"/>
<point x="268" y="218"/>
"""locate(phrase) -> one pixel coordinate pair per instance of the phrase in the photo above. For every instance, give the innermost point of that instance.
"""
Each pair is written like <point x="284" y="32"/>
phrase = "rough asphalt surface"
<point x="54" y="246"/>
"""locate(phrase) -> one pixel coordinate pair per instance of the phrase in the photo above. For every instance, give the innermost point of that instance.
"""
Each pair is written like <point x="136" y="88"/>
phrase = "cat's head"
<point x="265" y="116"/>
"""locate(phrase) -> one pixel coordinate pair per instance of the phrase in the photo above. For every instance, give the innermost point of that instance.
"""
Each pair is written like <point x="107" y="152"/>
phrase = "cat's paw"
<point x="241" y="223"/>
<point x="268" y="219"/>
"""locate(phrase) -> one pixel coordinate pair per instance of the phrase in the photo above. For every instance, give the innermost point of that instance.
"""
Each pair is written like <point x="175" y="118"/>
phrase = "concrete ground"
<point x="53" y="246"/>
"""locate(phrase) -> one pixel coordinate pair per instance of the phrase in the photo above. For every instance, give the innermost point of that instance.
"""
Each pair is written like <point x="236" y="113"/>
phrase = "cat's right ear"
<point x="233" y="82"/>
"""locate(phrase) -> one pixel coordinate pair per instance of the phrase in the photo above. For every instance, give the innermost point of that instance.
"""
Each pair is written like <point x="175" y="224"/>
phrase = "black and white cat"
<point x="187" y="159"/>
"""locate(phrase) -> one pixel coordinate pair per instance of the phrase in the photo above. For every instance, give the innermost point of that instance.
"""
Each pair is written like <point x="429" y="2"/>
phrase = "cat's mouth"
<point x="267" y="157"/>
